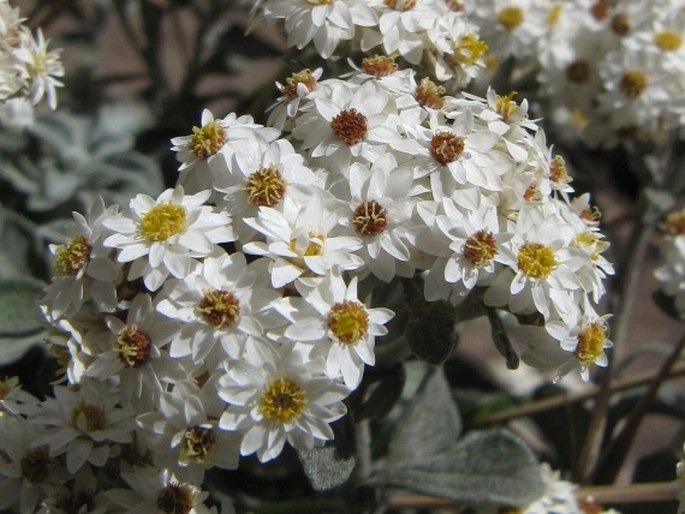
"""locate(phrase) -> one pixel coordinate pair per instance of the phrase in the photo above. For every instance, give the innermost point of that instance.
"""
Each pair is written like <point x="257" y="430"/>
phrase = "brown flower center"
<point x="446" y="147"/>
<point x="350" y="126"/>
<point x="265" y="187"/>
<point x="480" y="248"/>
<point x="379" y="65"/>
<point x="133" y="346"/>
<point x="370" y="218"/>
<point x="219" y="308"/>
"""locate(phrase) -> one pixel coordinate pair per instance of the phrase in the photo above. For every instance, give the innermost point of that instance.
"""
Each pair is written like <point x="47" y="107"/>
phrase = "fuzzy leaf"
<point x="431" y="425"/>
<point x="19" y="314"/>
<point x="431" y="335"/>
<point x="329" y="466"/>
<point x="490" y="466"/>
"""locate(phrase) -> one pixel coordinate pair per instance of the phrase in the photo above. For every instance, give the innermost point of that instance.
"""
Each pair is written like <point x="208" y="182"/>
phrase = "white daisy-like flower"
<point x="402" y="26"/>
<point x="40" y="67"/>
<point x="87" y="424"/>
<point x="381" y="205"/>
<point x="13" y="398"/>
<point x="262" y="177"/>
<point x="340" y="329"/>
<point x="351" y="123"/>
<point x="80" y="494"/>
<point x="216" y="139"/>
<point x="294" y="93"/>
<point x="157" y="490"/>
<point x="163" y="236"/>
<point x="301" y="240"/>
<point x="184" y="432"/>
<point x="276" y="396"/>
<point x="543" y="268"/>
<point x="325" y="22"/>
<point x="585" y="334"/>
<point x="27" y="472"/>
<point x="84" y="268"/>
<point x="135" y="351"/>
<point x="671" y="272"/>
<point x="221" y="302"/>
<point x="475" y="243"/>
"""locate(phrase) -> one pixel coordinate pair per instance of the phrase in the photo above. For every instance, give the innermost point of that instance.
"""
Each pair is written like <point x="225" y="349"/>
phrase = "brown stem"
<point x="610" y="462"/>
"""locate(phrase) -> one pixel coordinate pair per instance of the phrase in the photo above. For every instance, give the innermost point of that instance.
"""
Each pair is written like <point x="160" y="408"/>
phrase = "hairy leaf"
<point x="19" y="314"/>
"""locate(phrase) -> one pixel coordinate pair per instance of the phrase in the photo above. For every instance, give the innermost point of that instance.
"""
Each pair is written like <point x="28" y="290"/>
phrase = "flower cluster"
<point x="671" y="273"/>
<point x="235" y="312"/>
<point x="28" y="70"/>
<point x="433" y="33"/>
<point x="608" y="71"/>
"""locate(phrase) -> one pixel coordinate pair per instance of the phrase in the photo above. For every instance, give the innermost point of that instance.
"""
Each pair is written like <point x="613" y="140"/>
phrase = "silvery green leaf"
<point x="19" y="313"/>
<point x="431" y="334"/>
<point x="490" y="466"/>
<point x="25" y="248"/>
<point x="325" y="468"/>
<point x="331" y="465"/>
<point x="13" y="348"/>
<point x="430" y="426"/>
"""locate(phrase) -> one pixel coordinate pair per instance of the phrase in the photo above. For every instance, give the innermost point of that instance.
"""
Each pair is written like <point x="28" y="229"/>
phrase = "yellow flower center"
<point x="133" y="346"/>
<point x="320" y="2"/>
<point x="401" y="5"/>
<point x="219" y="308"/>
<point x="208" y="139"/>
<point x="536" y="260"/>
<point x="505" y="105"/>
<point x="633" y="84"/>
<point x="176" y="499"/>
<point x="379" y="65"/>
<point x="283" y="401"/>
<point x="510" y="17"/>
<point x="668" y="40"/>
<point x="265" y="187"/>
<point x="163" y="221"/>
<point x="591" y="341"/>
<point x="301" y="77"/>
<point x="429" y="94"/>
<point x="63" y="357"/>
<point x="71" y="257"/>
<point x="469" y="49"/>
<point x="370" y="218"/>
<point x="480" y="248"/>
<point x="196" y="444"/>
<point x="349" y="321"/>
<point x="620" y="24"/>
<point x="578" y="72"/>
<point x="557" y="171"/>
<point x="35" y="465"/>
<point x="674" y="224"/>
<point x="554" y="14"/>
<point x="349" y="126"/>
<point x="314" y="246"/>
<point x="446" y="147"/>
<point x="90" y="417"/>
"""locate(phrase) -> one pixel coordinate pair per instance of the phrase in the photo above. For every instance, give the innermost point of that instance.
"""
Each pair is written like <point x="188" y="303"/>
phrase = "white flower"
<point x="278" y="396"/>
<point x="222" y="301"/>
<point x="135" y="351"/>
<point x="157" y="490"/>
<point x="475" y="243"/>
<point x="83" y="266"/>
<point x="184" y="432"/>
<point x="80" y="494"/>
<point x="40" y="67"/>
<point x="583" y="333"/>
<point x="294" y="93"/>
<point x="13" y="398"/>
<point x="544" y="265"/>
<point x="27" y="472"/>
<point x="262" y="176"/>
<point x="86" y="424"/>
<point x="216" y="139"/>
<point x="381" y="205"/>
<point x="340" y="329"/>
<point x="325" y="23"/>
<point x="351" y="123"/>
<point x="163" y="236"/>
<point x="301" y="240"/>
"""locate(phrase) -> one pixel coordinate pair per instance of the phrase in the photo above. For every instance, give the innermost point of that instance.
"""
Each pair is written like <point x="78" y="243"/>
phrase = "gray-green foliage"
<point x="79" y="159"/>
<point x="485" y="466"/>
